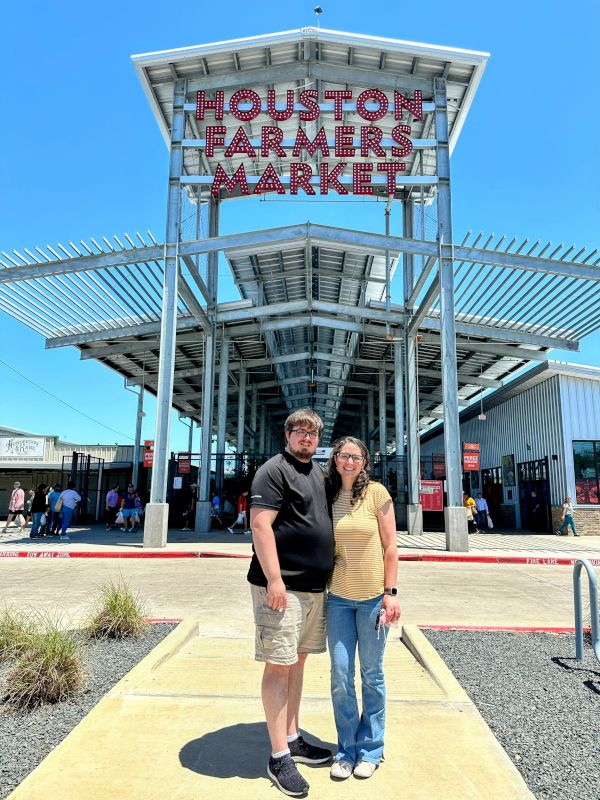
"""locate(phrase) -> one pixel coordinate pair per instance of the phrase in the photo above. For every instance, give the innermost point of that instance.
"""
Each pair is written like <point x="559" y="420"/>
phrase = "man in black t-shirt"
<point x="290" y="567"/>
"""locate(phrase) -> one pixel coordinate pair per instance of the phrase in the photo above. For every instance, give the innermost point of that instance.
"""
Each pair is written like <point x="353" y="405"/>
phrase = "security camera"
<point x="318" y="10"/>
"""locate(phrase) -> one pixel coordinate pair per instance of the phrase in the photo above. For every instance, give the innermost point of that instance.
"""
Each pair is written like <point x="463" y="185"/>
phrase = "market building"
<point x="32" y="459"/>
<point x="311" y="113"/>
<point x="539" y="439"/>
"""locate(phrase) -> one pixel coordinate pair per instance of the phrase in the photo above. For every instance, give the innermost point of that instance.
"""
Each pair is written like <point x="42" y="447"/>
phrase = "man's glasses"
<point x="305" y="434"/>
<point x="349" y="457"/>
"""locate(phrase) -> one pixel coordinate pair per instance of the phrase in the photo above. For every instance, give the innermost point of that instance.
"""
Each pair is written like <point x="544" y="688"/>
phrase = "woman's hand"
<point x="392" y="608"/>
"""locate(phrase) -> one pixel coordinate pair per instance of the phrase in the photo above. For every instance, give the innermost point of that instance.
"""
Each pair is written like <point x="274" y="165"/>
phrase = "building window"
<point x="586" y="458"/>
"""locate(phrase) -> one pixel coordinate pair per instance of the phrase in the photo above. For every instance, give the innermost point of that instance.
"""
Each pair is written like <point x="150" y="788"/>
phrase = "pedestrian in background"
<point x="112" y="503"/>
<point x="38" y="508"/>
<point x="68" y="502"/>
<point x="28" y="504"/>
<point x="242" y="509"/>
<point x="128" y="509"/>
<point x="567" y="519"/>
<point x="53" y="521"/>
<point x="482" y="512"/>
<point x="16" y="506"/>
<point x="471" y="510"/>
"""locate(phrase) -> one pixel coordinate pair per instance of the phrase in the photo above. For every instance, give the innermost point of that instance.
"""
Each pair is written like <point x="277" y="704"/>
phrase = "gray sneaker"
<point x="284" y="774"/>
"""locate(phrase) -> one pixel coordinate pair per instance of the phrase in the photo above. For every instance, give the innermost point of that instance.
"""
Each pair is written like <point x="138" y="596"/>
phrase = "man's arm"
<point x="261" y="522"/>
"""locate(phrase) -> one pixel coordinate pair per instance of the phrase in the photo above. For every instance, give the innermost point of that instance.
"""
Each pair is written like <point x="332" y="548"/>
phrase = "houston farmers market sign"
<point x="225" y="138"/>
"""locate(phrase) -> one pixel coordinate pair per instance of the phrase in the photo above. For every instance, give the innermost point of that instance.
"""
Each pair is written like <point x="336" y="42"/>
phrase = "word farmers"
<point x="301" y="177"/>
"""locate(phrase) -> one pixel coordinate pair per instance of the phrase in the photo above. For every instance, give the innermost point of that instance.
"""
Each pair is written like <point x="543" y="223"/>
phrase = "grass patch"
<point x="121" y="613"/>
<point x="48" y="668"/>
<point x="16" y="629"/>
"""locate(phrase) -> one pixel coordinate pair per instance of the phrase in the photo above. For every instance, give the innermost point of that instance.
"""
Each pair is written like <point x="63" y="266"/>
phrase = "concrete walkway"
<point x="188" y="723"/>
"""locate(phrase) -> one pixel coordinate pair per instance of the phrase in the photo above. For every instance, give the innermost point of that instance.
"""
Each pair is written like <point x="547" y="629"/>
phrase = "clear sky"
<point x="82" y="156"/>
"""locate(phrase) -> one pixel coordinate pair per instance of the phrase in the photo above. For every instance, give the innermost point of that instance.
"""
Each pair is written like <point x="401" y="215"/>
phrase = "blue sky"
<point x="81" y="154"/>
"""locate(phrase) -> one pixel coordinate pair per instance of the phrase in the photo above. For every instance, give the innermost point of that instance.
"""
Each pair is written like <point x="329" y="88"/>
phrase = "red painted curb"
<point x="452" y="558"/>
<point x="509" y="628"/>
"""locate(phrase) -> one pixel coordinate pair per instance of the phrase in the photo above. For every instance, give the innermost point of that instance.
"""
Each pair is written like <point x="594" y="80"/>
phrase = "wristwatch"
<point x="391" y="590"/>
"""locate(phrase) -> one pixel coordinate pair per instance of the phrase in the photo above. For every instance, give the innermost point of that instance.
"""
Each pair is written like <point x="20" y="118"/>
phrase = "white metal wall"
<point x="529" y="425"/>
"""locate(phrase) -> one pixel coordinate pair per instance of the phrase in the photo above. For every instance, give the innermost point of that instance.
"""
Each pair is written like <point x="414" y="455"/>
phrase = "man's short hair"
<point x="304" y="416"/>
<point x="16" y="485"/>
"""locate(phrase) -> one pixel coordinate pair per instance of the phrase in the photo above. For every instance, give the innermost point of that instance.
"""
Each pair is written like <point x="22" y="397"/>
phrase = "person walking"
<point x="111" y="506"/>
<point x="53" y="522"/>
<point x="362" y="600"/>
<point x="291" y="564"/>
<point x="567" y="519"/>
<point x="128" y="508"/>
<point x="68" y="500"/>
<point x="242" y="517"/>
<point x="38" y="509"/>
<point x="16" y="506"/>
<point x="28" y="504"/>
<point x="481" y="512"/>
<point x="471" y="509"/>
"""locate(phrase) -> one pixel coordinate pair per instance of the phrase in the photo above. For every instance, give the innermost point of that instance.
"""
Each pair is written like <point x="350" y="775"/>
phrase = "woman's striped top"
<point x="358" y="566"/>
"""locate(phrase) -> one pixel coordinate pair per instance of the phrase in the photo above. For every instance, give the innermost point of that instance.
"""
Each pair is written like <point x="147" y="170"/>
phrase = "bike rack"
<point x="593" y="584"/>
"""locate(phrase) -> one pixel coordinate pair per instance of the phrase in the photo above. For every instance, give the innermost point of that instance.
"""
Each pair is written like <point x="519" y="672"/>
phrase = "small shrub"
<point x="15" y="630"/>
<point x="48" y="669"/>
<point x="121" y="613"/>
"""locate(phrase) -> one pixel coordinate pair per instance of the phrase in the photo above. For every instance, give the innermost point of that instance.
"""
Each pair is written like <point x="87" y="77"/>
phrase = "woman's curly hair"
<point x="359" y="487"/>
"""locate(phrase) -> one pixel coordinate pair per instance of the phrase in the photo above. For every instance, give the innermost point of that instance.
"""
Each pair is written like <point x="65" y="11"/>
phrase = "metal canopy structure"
<point x="320" y="320"/>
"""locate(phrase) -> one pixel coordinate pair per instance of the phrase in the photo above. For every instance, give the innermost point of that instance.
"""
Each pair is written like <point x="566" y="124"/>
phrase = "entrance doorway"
<point x="534" y="495"/>
<point x="86" y="473"/>
<point x="493" y="492"/>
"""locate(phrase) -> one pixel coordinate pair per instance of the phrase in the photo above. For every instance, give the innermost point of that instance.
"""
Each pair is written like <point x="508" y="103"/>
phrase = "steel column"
<point x="399" y="425"/>
<point x="241" y="411"/>
<point x="370" y="416"/>
<point x="382" y="422"/>
<point x="155" y="529"/>
<point x="208" y="383"/>
<point x="414" y="511"/>
<point x="454" y="515"/>
<point x="138" y="437"/>
<point x="222" y="411"/>
<point x="253" y="416"/>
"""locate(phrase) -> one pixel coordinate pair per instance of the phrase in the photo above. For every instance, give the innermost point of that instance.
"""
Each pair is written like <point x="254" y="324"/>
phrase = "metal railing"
<point x="593" y="584"/>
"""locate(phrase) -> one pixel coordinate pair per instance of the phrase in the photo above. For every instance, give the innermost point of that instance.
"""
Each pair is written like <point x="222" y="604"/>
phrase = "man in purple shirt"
<point x="113" y="501"/>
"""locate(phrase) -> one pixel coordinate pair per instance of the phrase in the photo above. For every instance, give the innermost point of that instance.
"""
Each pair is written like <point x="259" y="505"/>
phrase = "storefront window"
<point x="586" y="458"/>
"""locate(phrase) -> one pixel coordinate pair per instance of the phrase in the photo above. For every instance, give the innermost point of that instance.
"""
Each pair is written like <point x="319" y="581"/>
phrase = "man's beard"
<point x="302" y="453"/>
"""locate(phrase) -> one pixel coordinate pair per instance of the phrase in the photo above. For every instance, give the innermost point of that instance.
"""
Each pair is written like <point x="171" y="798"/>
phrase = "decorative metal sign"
<point x="21" y="447"/>
<point x="365" y="142"/>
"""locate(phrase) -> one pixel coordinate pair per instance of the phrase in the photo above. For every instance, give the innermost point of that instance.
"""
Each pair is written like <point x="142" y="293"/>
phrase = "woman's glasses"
<point x="349" y="457"/>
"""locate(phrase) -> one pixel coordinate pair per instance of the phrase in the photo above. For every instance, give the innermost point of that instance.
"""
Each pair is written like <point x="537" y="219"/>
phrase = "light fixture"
<point x="481" y="416"/>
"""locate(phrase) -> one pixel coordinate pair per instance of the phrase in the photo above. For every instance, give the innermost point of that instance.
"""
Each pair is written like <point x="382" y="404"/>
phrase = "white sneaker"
<point x="340" y="770"/>
<point x="230" y="530"/>
<point x="364" y="769"/>
<point x="65" y="538"/>
<point x="185" y="529"/>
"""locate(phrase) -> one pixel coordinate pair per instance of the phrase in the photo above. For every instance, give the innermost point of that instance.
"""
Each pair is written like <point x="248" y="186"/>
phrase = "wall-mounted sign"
<point x="438" y="465"/>
<point x="16" y="447"/>
<point x="149" y="452"/>
<point x="184" y="463"/>
<point x="471" y="452"/>
<point x="379" y="158"/>
<point x="431" y="495"/>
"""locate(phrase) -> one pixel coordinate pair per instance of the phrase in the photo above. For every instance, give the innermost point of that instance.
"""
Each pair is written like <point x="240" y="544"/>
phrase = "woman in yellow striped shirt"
<point x="362" y="586"/>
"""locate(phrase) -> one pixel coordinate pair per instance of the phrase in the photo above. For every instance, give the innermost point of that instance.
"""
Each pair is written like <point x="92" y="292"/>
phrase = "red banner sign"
<point x="148" y="452"/>
<point x="431" y="495"/>
<point x="184" y="463"/>
<point x="380" y="155"/>
<point x="471" y="453"/>
<point x="438" y="465"/>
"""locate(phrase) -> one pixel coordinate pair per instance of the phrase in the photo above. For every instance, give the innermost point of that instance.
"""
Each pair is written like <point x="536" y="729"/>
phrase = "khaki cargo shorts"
<point x="281" y="635"/>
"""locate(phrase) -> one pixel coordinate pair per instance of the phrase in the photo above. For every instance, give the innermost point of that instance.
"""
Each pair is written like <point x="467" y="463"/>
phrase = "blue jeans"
<point x="67" y="513"/>
<point x="35" y="528"/>
<point x="351" y="623"/>
<point x="568" y="521"/>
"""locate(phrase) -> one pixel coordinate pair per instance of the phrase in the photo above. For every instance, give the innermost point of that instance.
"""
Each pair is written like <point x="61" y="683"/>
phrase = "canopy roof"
<point x="311" y="326"/>
<point x="315" y="58"/>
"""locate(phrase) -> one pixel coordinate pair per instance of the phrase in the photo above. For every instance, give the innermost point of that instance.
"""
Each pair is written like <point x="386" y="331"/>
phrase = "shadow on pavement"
<point x="239" y="751"/>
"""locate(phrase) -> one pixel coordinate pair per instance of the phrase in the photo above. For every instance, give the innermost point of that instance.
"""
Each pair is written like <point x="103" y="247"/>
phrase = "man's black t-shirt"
<point x="303" y="529"/>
